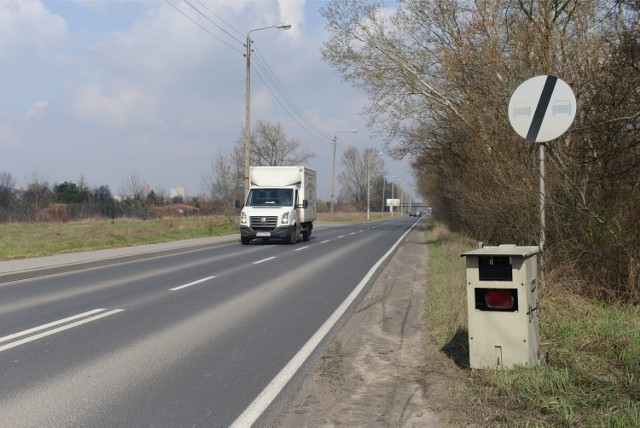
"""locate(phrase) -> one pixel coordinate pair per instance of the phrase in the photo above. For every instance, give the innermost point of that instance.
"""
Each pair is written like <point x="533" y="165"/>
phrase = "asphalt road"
<point x="199" y="337"/>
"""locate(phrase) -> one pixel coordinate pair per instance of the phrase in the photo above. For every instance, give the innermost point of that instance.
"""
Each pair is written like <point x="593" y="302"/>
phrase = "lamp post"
<point x="368" y="191"/>
<point x="401" y="194"/>
<point x="393" y="188"/>
<point x="384" y="184"/>
<point x="247" y="123"/>
<point x="333" y="170"/>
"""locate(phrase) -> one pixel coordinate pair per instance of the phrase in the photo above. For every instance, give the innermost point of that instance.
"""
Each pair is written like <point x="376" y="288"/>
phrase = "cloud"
<point x="9" y="137"/>
<point x="28" y="31"/>
<point x="292" y="12"/>
<point x="123" y="107"/>
<point x="143" y="79"/>
<point x="37" y="109"/>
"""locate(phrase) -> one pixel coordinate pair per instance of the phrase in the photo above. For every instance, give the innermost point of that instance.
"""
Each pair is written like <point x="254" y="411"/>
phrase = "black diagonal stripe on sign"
<point x="541" y="109"/>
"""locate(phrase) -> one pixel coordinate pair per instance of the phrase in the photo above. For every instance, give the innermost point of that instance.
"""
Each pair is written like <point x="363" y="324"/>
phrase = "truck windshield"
<point x="270" y="198"/>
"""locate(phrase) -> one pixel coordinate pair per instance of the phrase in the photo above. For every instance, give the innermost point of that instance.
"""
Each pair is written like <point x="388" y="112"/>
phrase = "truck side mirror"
<point x="238" y="203"/>
<point x="305" y="203"/>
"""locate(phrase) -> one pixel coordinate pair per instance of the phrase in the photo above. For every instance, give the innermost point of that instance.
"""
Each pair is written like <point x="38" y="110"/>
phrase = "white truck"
<point x="281" y="204"/>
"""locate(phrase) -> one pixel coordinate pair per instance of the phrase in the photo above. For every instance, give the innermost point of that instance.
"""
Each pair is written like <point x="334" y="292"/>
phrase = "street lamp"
<point x="247" y="123"/>
<point x="401" y="195"/>
<point x="393" y="187"/>
<point x="384" y="184"/>
<point x="333" y="170"/>
<point x="368" y="191"/>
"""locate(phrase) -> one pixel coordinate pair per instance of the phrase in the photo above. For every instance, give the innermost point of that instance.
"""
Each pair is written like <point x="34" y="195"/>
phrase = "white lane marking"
<point x="57" y="330"/>
<point x="301" y="248"/>
<point x="263" y="260"/>
<point x="324" y="242"/>
<point x="352" y="233"/>
<point x="341" y="236"/>
<point x="251" y="414"/>
<point x="191" y="283"/>
<point x="49" y="325"/>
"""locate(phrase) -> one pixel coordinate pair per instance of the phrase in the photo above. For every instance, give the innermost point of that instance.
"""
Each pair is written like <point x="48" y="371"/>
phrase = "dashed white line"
<point x="55" y="330"/>
<point x="263" y="260"/>
<point x="192" y="283"/>
<point x="324" y="242"/>
<point x="49" y="325"/>
<point x="301" y="248"/>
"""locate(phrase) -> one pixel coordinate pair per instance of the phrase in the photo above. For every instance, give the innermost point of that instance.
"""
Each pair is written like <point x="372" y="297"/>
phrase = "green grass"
<point x="20" y="240"/>
<point x="592" y="378"/>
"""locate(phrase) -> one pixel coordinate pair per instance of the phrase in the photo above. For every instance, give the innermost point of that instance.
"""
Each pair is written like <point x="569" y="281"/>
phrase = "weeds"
<point x="593" y="376"/>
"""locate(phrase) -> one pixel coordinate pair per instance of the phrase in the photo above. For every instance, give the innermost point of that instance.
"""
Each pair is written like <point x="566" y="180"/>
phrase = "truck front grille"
<point x="264" y="223"/>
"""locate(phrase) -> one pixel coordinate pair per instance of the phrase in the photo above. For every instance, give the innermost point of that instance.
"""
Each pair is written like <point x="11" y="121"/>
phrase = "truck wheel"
<point x="294" y="235"/>
<point x="306" y="235"/>
<point x="245" y="240"/>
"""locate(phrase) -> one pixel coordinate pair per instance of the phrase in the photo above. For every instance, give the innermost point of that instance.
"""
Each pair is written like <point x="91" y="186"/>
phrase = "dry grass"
<point x="21" y="240"/>
<point x="352" y="217"/>
<point x="592" y="379"/>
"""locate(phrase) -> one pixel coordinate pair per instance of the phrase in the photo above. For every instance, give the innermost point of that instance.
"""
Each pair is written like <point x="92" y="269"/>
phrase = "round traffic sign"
<point x="542" y="108"/>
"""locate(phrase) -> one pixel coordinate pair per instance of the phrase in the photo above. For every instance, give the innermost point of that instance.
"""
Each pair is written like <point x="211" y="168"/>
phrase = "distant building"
<point x="177" y="192"/>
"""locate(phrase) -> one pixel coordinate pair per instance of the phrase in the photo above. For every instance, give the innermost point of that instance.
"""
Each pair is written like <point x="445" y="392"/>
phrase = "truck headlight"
<point x="285" y="218"/>
<point x="243" y="218"/>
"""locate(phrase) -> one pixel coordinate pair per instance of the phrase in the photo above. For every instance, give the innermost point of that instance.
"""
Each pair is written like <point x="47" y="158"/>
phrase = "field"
<point x="20" y="240"/>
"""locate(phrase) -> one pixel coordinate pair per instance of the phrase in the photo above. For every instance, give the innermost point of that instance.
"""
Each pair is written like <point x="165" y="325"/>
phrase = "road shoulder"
<point x="371" y="373"/>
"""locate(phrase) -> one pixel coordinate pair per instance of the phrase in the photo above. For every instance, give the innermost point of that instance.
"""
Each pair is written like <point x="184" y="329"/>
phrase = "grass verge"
<point x="593" y="376"/>
<point x="20" y="240"/>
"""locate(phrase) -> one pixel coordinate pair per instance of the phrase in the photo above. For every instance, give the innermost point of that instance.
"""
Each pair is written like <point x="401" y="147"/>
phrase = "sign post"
<point x="540" y="110"/>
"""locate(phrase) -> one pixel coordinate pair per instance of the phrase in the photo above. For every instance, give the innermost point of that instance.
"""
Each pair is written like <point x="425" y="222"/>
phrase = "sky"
<point x="106" y="89"/>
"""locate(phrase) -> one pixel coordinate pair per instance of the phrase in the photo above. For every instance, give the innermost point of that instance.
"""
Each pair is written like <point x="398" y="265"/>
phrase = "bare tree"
<point x="7" y="188"/>
<point x="37" y="197"/>
<point x="7" y="196"/>
<point x="223" y="184"/>
<point x="132" y="187"/>
<point x="439" y="75"/>
<point x="360" y="170"/>
<point x="270" y="146"/>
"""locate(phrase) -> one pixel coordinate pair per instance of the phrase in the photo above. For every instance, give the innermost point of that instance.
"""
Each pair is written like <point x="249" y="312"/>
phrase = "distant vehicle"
<point x="281" y="204"/>
<point x="415" y="214"/>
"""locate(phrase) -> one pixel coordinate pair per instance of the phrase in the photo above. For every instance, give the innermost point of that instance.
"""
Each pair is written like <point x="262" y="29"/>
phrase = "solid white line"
<point x="192" y="283"/>
<point x="57" y="330"/>
<point x="301" y="248"/>
<point x="263" y="260"/>
<point x="251" y="414"/>
<point x="46" y="326"/>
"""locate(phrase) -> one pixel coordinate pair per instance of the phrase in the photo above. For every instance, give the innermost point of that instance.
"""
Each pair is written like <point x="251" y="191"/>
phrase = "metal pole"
<point x="247" y="122"/>
<point x="384" y="184"/>
<point x="393" y="186"/>
<point x="333" y="176"/>
<point x="542" y="213"/>
<point x="368" y="192"/>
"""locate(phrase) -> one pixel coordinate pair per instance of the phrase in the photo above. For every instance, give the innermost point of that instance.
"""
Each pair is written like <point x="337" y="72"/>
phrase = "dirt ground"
<point x="376" y="371"/>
